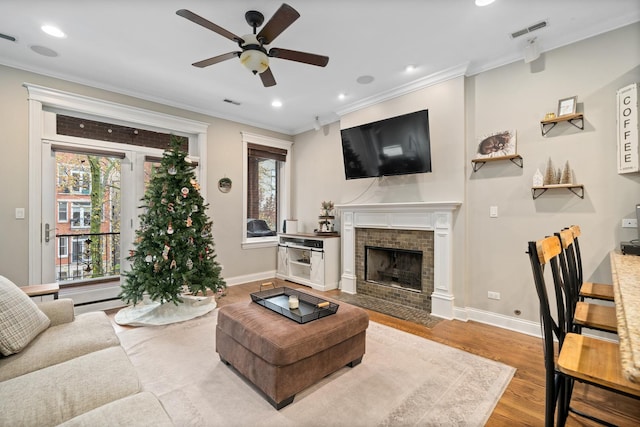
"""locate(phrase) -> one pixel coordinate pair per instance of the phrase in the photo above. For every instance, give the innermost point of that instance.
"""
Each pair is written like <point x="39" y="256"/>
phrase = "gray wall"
<point x="224" y="158"/>
<point x="490" y="252"/>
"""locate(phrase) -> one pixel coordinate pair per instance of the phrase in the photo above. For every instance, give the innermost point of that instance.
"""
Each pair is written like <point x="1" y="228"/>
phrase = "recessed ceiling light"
<point x="364" y="80"/>
<point x="44" y="51"/>
<point x="410" y="68"/>
<point x="342" y="96"/>
<point x="484" y="2"/>
<point x="277" y="103"/>
<point x="53" y="31"/>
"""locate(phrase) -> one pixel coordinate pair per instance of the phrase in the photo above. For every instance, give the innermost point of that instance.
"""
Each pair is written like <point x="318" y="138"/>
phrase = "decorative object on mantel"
<point x="224" y="184"/>
<point x="550" y="116"/>
<point x="326" y="219"/>
<point x="497" y="144"/>
<point x="174" y="249"/>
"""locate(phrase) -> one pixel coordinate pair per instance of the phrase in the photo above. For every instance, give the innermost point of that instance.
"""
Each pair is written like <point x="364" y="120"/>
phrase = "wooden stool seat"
<point x="600" y="291"/>
<point x="595" y="361"/>
<point x="596" y="316"/>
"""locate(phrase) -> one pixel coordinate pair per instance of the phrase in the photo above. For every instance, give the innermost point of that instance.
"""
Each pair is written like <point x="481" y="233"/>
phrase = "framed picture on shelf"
<point x="567" y="106"/>
<point x="497" y="144"/>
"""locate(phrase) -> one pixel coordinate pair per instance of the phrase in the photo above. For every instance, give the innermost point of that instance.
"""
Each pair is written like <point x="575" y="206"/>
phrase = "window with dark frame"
<point x="263" y="178"/>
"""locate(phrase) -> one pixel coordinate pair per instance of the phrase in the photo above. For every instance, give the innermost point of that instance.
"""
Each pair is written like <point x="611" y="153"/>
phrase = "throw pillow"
<point x="20" y="318"/>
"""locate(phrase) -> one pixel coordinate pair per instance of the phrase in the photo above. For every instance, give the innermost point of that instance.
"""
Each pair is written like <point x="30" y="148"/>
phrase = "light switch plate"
<point x="19" y="213"/>
<point x="493" y="212"/>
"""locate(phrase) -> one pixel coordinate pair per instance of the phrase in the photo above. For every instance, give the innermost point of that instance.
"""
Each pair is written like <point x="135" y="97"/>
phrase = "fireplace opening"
<point x="394" y="267"/>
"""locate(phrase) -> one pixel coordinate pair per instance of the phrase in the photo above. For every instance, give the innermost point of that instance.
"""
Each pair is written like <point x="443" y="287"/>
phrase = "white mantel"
<point x="428" y="216"/>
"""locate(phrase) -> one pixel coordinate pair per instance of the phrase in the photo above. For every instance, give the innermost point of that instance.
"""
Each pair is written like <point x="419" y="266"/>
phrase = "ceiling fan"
<point x="254" y="55"/>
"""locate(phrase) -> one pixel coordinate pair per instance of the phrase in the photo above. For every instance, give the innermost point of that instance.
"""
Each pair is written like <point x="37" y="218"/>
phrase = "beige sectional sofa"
<point x="61" y="369"/>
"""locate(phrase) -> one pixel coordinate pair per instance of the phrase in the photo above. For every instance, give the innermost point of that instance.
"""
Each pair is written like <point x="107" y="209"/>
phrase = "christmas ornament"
<point x="184" y="191"/>
<point x="195" y="184"/>
<point x="172" y="170"/>
<point x="195" y="208"/>
<point x="165" y="252"/>
<point x="189" y="264"/>
<point x="148" y="258"/>
<point x="189" y="221"/>
<point x="170" y="229"/>
<point x="170" y="207"/>
<point x="173" y="264"/>
<point x="156" y="267"/>
<point x="132" y="253"/>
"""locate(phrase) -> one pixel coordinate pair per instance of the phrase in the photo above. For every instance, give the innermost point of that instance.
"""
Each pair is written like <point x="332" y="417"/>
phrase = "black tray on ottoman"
<point x="309" y="307"/>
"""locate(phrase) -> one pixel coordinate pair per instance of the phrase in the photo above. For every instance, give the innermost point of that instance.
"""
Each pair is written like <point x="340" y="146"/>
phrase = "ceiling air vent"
<point x="6" y="37"/>
<point x="529" y="29"/>
<point x="230" y="101"/>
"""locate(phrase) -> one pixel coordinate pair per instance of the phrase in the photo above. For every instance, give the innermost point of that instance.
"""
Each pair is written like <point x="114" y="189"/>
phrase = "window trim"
<point x="284" y="201"/>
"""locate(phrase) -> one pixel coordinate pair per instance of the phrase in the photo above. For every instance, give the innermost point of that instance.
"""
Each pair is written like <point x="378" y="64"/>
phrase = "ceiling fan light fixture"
<point x="255" y="60"/>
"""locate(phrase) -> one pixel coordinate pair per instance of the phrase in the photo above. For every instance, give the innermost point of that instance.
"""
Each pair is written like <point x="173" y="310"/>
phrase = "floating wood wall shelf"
<point x="575" y="119"/>
<point x="516" y="159"/>
<point x="577" y="189"/>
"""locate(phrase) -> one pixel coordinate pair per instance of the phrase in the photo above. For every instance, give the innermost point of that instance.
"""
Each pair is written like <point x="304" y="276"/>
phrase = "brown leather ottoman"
<point x="282" y="357"/>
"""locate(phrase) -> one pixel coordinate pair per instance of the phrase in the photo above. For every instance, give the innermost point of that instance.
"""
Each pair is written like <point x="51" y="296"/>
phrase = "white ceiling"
<point x="142" y="48"/>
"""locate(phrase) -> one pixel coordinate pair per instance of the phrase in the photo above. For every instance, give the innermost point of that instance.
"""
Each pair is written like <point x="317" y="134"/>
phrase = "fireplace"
<point x="387" y="260"/>
<point x="432" y="220"/>
<point x="393" y="267"/>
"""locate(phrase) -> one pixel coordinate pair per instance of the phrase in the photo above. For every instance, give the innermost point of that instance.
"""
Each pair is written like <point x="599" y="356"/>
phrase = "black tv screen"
<point x="395" y="146"/>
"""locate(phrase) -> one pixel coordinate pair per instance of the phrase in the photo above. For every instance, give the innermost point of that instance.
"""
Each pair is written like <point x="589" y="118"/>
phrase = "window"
<point x="63" y="247"/>
<point x="63" y="215"/>
<point x="266" y="188"/>
<point x="80" y="182"/>
<point x="79" y="249"/>
<point x="80" y="215"/>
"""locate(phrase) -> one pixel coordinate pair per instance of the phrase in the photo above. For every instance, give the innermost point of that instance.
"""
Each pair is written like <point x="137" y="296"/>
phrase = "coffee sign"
<point x="628" y="150"/>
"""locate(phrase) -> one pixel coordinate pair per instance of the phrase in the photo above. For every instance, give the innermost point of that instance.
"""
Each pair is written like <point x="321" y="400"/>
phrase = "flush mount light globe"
<point x="254" y="56"/>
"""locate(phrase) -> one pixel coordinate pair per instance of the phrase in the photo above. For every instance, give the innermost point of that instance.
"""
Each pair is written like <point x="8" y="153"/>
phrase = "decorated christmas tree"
<point x="174" y="249"/>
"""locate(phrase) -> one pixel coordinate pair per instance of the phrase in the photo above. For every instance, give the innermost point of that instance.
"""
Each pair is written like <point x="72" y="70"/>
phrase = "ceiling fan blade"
<point x="304" y="57"/>
<point x="279" y="22"/>
<point x="207" y="24"/>
<point x="267" y="78"/>
<point x="216" y="59"/>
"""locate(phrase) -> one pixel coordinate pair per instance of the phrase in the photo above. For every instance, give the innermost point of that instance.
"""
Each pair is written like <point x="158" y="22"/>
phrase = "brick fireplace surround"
<point x="435" y="217"/>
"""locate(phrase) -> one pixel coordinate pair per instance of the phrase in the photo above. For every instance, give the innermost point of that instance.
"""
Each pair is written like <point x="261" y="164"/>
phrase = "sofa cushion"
<point x="60" y="392"/>
<point x="87" y="333"/>
<point x="138" y="410"/>
<point x="20" y="318"/>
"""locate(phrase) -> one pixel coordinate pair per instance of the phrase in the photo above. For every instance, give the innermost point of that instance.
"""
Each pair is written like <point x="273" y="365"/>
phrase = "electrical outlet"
<point x="493" y="295"/>
<point x="629" y="223"/>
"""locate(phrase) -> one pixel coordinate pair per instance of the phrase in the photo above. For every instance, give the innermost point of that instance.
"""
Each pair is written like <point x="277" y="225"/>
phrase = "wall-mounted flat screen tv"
<point x="395" y="146"/>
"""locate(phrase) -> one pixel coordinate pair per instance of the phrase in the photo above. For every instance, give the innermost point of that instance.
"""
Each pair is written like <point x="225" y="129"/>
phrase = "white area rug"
<point x="155" y="314"/>
<point x="403" y="380"/>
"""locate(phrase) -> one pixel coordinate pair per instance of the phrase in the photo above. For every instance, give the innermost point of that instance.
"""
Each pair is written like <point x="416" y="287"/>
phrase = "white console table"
<point x="309" y="259"/>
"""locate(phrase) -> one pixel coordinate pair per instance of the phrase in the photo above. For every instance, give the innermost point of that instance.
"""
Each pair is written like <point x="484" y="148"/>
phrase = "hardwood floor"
<point x="523" y="401"/>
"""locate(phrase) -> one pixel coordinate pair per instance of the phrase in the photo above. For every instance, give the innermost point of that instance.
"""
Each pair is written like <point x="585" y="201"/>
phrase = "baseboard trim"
<point x="501" y="321"/>
<point x="238" y="280"/>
